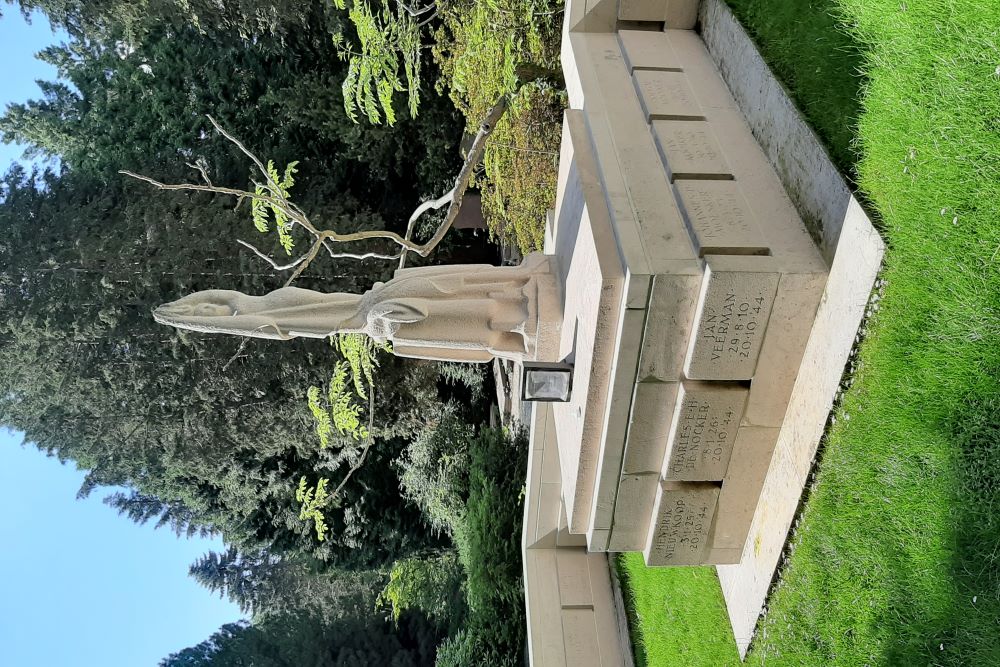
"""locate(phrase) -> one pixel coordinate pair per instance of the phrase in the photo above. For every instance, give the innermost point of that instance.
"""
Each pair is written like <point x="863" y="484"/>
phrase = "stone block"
<point x="681" y="523"/>
<point x="680" y="14"/>
<point x="690" y="150"/>
<point x="597" y="539"/>
<point x="574" y="578"/>
<point x="722" y="221"/>
<point x="788" y="329"/>
<point x="593" y="287"/>
<point x="751" y="459"/>
<point x="633" y="507"/>
<point x="711" y="91"/>
<point x="545" y="633"/>
<point x="704" y="428"/>
<point x="672" y="306"/>
<point x="642" y="10"/>
<point x="733" y="310"/>
<point x="667" y="96"/>
<point x="647" y="49"/>
<point x="649" y="426"/>
<point x="619" y="403"/>
<point x="580" y="638"/>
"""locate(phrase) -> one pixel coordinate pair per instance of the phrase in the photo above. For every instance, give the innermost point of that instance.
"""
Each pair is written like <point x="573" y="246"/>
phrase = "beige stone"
<point x="667" y="96"/>
<point x="722" y="221"/>
<point x="464" y="312"/>
<point x="736" y="300"/>
<point x="574" y="578"/>
<point x="711" y="92"/>
<point x="649" y="426"/>
<point x="545" y="631"/>
<point x="648" y="223"/>
<point x="612" y="440"/>
<point x="690" y="150"/>
<point x="633" y="507"/>
<point x="788" y="328"/>
<point x="704" y="428"/>
<point x="647" y="49"/>
<point x="594" y="286"/>
<point x="680" y="527"/>
<point x="751" y="459"/>
<point x="682" y="14"/>
<point x="614" y="651"/>
<point x="672" y="306"/>
<point x="641" y="10"/>
<point x="580" y="637"/>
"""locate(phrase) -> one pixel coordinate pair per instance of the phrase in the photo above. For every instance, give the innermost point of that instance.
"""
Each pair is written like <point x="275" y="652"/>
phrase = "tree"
<point x="301" y="639"/>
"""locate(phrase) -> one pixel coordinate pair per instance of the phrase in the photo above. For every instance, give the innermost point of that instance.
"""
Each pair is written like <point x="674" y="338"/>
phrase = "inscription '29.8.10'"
<point x="731" y="326"/>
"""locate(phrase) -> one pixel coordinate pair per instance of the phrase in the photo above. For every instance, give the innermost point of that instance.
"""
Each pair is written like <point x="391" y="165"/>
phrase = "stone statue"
<point x="463" y="312"/>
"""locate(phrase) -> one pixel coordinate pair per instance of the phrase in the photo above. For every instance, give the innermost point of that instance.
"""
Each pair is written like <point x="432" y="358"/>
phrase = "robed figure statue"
<point x="464" y="312"/>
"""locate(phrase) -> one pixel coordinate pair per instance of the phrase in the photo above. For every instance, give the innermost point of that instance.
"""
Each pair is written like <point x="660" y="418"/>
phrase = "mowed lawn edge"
<point x="895" y="561"/>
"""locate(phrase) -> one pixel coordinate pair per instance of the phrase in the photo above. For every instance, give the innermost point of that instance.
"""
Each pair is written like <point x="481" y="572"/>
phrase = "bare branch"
<point x="236" y="355"/>
<point x="239" y="144"/>
<point x="457" y="193"/>
<point x="201" y="169"/>
<point x="274" y="264"/>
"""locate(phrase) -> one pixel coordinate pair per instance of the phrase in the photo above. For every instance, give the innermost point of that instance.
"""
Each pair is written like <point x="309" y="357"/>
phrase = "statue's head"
<point x="218" y="311"/>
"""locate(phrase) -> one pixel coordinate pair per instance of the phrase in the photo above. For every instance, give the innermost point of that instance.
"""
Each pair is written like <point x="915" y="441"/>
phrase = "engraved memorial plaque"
<point x="704" y="428"/>
<point x="683" y="521"/>
<point x="690" y="150"/>
<point x="667" y="95"/>
<point x="720" y="218"/>
<point x="736" y="301"/>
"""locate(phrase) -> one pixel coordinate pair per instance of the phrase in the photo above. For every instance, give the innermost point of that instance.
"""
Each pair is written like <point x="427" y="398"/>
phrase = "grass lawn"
<point x="896" y="559"/>
<point x="678" y="615"/>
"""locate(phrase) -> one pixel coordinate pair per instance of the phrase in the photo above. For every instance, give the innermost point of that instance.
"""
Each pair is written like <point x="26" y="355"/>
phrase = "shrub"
<point x="432" y="585"/>
<point x="434" y="471"/>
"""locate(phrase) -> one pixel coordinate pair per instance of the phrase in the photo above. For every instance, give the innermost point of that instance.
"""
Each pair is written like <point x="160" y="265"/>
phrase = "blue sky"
<point x="79" y="585"/>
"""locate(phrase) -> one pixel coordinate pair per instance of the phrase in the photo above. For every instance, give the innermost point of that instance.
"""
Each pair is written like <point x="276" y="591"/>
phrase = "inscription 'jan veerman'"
<point x="732" y="331"/>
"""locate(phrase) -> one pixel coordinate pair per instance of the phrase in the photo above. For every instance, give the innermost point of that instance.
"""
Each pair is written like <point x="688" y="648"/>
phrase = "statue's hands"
<point x="397" y="312"/>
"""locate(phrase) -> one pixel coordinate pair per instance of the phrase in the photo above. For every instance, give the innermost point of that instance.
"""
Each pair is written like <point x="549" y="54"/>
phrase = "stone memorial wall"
<point x="718" y="284"/>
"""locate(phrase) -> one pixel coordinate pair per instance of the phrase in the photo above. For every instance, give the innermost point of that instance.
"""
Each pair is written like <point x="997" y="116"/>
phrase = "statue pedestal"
<point x="706" y="327"/>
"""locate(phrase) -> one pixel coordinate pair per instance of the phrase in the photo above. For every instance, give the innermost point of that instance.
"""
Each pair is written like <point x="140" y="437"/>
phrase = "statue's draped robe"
<point x="470" y="312"/>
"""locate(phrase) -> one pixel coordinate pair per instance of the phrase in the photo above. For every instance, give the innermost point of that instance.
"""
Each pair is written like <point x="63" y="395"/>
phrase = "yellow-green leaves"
<point x="312" y="500"/>
<point x="266" y="200"/>
<point x="388" y="42"/>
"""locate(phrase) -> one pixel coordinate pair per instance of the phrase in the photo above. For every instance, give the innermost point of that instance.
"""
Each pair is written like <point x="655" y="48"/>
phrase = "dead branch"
<point x="274" y="195"/>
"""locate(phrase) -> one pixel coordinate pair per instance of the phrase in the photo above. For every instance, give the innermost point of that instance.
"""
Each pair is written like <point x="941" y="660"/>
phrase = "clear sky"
<point x="79" y="585"/>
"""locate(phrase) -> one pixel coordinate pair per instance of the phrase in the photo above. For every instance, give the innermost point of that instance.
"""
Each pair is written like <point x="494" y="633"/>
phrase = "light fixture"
<point x="546" y="381"/>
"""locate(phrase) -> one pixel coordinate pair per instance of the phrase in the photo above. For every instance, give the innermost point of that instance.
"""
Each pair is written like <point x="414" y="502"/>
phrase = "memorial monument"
<point x="466" y="312"/>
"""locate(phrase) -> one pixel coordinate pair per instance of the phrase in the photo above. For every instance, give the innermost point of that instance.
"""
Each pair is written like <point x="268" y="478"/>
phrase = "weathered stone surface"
<point x="681" y="523"/>
<point x="722" y="221"/>
<point x="736" y="301"/>
<point x="667" y="96"/>
<point x="703" y="431"/>
<point x="690" y="150"/>
<point x="593" y="285"/>
<point x="681" y="14"/>
<point x="574" y="578"/>
<point x="649" y="426"/>
<point x="634" y="506"/>
<point x="672" y="307"/>
<point x="647" y="49"/>
<point x="612" y="441"/>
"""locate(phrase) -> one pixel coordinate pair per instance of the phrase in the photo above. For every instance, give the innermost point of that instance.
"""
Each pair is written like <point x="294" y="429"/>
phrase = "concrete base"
<point x="853" y="248"/>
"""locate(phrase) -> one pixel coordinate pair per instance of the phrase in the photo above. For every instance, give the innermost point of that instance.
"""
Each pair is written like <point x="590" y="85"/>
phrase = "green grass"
<point x="896" y="558"/>
<point x="678" y="615"/>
